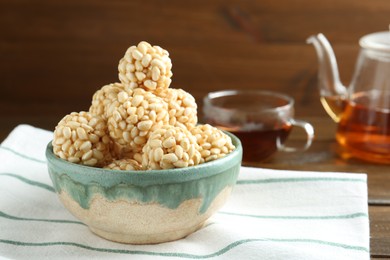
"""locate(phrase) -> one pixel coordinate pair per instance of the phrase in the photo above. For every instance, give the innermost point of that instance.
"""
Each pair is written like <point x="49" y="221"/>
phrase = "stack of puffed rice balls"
<point x="140" y="123"/>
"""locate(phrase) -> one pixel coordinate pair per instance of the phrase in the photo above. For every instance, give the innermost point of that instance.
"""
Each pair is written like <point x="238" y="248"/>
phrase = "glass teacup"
<point x="262" y="120"/>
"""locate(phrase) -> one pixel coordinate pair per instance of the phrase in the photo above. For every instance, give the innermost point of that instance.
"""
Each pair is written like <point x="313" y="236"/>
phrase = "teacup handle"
<point x="309" y="129"/>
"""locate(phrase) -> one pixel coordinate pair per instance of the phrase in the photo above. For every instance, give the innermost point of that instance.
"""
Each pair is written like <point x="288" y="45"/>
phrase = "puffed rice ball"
<point x="213" y="142"/>
<point x="82" y="138"/>
<point x="182" y="107"/>
<point x="105" y="97"/>
<point x="145" y="66"/>
<point x="134" y="117"/>
<point x="170" y="147"/>
<point x="124" y="165"/>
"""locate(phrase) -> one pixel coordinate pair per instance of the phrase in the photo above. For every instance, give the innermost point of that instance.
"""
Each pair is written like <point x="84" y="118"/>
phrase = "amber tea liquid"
<point x="258" y="145"/>
<point x="364" y="127"/>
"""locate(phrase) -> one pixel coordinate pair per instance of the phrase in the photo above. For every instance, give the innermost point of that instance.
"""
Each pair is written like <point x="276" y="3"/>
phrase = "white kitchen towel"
<point x="271" y="214"/>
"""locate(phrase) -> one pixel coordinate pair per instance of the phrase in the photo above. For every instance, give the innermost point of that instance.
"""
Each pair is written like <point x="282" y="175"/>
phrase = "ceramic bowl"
<point x="144" y="207"/>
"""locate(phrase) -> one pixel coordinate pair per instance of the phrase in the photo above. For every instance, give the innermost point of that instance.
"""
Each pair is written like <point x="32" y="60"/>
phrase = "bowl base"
<point x="141" y="239"/>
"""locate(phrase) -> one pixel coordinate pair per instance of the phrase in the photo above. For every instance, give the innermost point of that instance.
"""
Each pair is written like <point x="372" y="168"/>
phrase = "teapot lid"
<point x="377" y="41"/>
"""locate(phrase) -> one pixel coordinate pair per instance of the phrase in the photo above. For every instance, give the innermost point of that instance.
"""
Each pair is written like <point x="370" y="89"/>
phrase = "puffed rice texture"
<point x="170" y="147"/>
<point x="146" y="66"/>
<point x="182" y="107"/>
<point x="213" y="142"/>
<point x="106" y="97"/>
<point x="82" y="138"/>
<point x="133" y="118"/>
<point x="124" y="165"/>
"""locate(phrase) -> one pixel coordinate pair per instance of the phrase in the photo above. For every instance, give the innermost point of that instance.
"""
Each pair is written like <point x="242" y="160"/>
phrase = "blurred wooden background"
<point x="55" y="54"/>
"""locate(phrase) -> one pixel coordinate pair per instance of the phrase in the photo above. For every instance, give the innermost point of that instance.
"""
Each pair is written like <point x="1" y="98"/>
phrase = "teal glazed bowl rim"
<point x="108" y="178"/>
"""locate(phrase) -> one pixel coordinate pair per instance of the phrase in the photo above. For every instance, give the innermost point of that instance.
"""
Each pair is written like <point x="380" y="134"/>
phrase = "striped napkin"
<point x="272" y="214"/>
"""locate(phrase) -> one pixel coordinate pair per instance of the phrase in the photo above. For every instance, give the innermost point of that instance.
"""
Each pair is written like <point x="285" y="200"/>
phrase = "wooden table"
<point x="54" y="55"/>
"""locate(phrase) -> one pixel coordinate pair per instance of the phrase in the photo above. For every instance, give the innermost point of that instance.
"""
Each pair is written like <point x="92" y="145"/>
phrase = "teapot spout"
<point x="332" y="92"/>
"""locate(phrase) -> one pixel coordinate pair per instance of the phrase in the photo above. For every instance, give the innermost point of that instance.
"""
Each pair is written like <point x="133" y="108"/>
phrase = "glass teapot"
<point x="361" y="110"/>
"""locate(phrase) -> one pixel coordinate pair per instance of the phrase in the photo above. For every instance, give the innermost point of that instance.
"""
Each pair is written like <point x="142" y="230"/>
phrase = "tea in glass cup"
<point x="262" y="120"/>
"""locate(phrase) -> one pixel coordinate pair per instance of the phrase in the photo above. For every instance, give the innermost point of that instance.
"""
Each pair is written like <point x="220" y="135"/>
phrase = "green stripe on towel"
<point x="186" y="255"/>
<point x="299" y="179"/>
<point x="21" y="155"/>
<point x="347" y="216"/>
<point x="4" y="215"/>
<point x="28" y="181"/>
